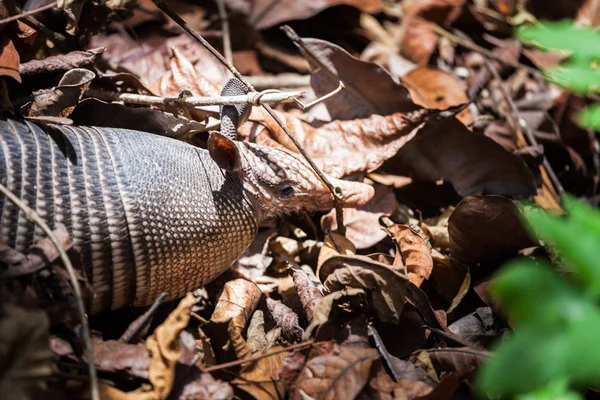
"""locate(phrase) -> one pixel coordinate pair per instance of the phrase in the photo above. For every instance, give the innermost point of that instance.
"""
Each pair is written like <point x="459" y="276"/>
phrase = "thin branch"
<point x="142" y="321"/>
<point x="254" y="98"/>
<point x="28" y="13"/>
<point x="474" y="47"/>
<point x="258" y="357"/>
<point x="335" y="191"/>
<point x="225" y="29"/>
<point x="34" y="217"/>
<point x="286" y="80"/>
<point x="520" y="125"/>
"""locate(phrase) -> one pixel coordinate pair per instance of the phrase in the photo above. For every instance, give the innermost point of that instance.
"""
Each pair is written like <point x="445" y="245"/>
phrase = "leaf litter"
<point x="394" y="308"/>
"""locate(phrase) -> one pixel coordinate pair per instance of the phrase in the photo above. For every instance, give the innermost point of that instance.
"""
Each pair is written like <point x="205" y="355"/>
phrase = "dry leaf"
<point x="369" y="88"/>
<point x="61" y="100"/>
<point x="264" y="13"/>
<point x="207" y="388"/>
<point x="414" y="254"/>
<point x="324" y="306"/>
<point x="486" y="228"/>
<point x="165" y="348"/>
<point x="9" y="59"/>
<point x="286" y="319"/>
<point x="61" y="63"/>
<point x="451" y="280"/>
<point x="236" y="305"/>
<point x="433" y="88"/>
<point x="385" y="286"/>
<point x="183" y="76"/>
<point x="445" y="148"/>
<point x="385" y="388"/>
<point x="261" y="377"/>
<point x="309" y="289"/>
<point x="362" y="224"/>
<point x="339" y="375"/>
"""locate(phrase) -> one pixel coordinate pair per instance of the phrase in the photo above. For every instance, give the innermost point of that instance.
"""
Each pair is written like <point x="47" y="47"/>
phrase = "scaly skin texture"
<point x="147" y="213"/>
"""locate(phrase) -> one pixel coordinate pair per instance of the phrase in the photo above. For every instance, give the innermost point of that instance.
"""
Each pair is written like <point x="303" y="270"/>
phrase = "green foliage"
<point x="580" y="72"/>
<point x="557" y="319"/>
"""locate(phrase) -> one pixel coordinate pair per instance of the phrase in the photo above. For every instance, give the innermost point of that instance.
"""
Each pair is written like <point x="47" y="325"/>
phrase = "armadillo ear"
<point x="224" y="151"/>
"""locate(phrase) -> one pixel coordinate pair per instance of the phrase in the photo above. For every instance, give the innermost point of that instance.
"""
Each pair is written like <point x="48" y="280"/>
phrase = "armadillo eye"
<point x="286" y="190"/>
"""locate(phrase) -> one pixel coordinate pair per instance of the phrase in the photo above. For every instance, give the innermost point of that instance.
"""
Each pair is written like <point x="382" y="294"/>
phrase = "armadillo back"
<point x="147" y="213"/>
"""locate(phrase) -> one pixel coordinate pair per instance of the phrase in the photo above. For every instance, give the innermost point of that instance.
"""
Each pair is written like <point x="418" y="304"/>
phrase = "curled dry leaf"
<point x="264" y="13"/>
<point x="61" y="100"/>
<point x="61" y="63"/>
<point x="445" y="148"/>
<point x="486" y="228"/>
<point x="25" y="354"/>
<point x="339" y="148"/>
<point x="340" y="374"/>
<point x="308" y="287"/>
<point x="451" y="279"/>
<point x="165" y="347"/>
<point x="383" y="387"/>
<point x="183" y="76"/>
<point x="236" y="304"/>
<point x="385" y="286"/>
<point x="324" y="306"/>
<point x="414" y="254"/>
<point x="362" y="224"/>
<point x="286" y="319"/>
<point x="112" y="355"/>
<point x="260" y="378"/>
<point x="206" y="388"/>
<point x="369" y="88"/>
<point x="334" y="245"/>
<point x="9" y="58"/>
<point x="257" y="338"/>
<point x="462" y="361"/>
<point x="433" y="88"/>
<point x="92" y="112"/>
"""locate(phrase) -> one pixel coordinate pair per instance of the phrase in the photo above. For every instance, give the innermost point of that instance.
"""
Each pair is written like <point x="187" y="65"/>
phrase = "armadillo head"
<point x="278" y="182"/>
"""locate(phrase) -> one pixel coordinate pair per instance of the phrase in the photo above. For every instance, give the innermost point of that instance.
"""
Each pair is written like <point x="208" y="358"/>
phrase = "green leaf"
<point x="590" y="117"/>
<point x="577" y="77"/>
<point x="582" y="43"/>
<point x="557" y="390"/>
<point x="576" y="238"/>
<point x="557" y="337"/>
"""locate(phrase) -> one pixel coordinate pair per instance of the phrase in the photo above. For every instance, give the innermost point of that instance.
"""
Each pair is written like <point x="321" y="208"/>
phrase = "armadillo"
<point x="151" y="214"/>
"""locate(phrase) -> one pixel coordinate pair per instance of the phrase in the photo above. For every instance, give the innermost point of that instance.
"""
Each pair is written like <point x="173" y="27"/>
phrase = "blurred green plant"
<point x="580" y="71"/>
<point x="556" y="316"/>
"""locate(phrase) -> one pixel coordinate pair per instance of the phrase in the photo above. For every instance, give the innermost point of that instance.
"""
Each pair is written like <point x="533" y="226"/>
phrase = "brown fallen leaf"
<point x="362" y="224"/>
<point x="236" y="304"/>
<point x="286" y="319"/>
<point x="260" y="378"/>
<point x="207" y="388"/>
<point x="385" y="287"/>
<point x="165" y="348"/>
<point x="451" y="280"/>
<point x="445" y="148"/>
<point x="324" y="306"/>
<point x="181" y="76"/>
<point x="462" y="361"/>
<point x="369" y="88"/>
<point x="340" y="374"/>
<point x="383" y="387"/>
<point x="414" y="255"/>
<point x="264" y="13"/>
<point x="339" y="148"/>
<point x="308" y="287"/>
<point x="61" y="63"/>
<point x="486" y="228"/>
<point x="433" y="88"/>
<point x="9" y="58"/>
<point x="61" y="100"/>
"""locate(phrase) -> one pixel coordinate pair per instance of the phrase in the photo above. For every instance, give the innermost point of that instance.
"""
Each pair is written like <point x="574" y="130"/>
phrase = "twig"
<point x="225" y="29"/>
<point x="258" y="357"/>
<point x="58" y="38"/>
<point x="136" y="326"/>
<point x="254" y="98"/>
<point x="335" y="191"/>
<point x="34" y="217"/>
<point x="28" y="13"/>
<point x="474" y="47"/>
<point x="520" y="125"/>
<point x="322" y="98"/>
